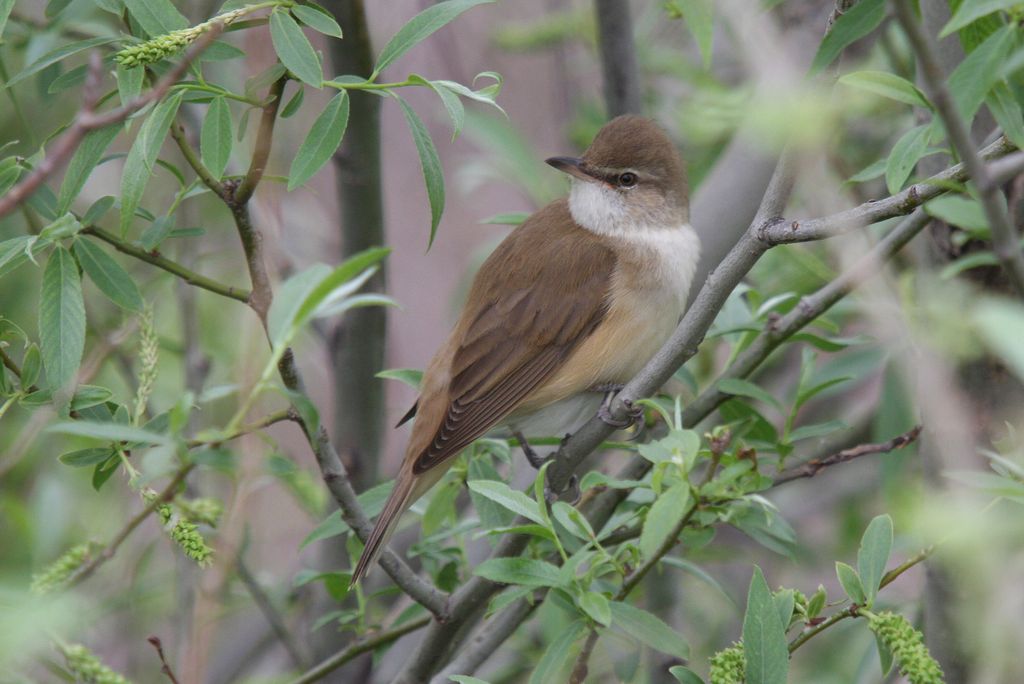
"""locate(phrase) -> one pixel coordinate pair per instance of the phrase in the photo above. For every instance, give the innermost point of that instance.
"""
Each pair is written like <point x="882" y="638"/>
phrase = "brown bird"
<point x="574" y="301"/>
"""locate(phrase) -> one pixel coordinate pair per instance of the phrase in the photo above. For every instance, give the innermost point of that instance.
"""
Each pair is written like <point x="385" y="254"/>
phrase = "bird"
<point x="571" y="304"/>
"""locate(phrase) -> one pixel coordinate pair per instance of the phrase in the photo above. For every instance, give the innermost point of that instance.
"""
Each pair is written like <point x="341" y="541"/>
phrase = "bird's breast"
<point x="648" y="294"/>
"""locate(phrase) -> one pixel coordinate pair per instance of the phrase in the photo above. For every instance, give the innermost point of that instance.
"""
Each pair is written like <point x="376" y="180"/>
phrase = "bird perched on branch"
<point x="570" y="305"/>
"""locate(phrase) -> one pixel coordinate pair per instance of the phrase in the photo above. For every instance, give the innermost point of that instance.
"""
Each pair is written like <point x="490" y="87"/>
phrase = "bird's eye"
<point x="627" y="179"/>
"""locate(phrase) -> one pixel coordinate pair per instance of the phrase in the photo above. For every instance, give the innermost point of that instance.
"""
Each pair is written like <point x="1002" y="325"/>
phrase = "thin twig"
<point x="273" y="617"/>
<point x="580" y="668"/>
<point x="1004" y="239"/>
<point x="331" y="468"/>
<point x="165" y="668"/>
<point x="266" y="421"/>
<point x="487" y="640"/>
<point x="904" y="202"/>
<point x="108" y="551"/>
<point x="88" y="119"/>
<point x="812" y="467"/>
<point x="172" y="267"/>
<point x="359" y="647"/>
<point x="852" y="610"/>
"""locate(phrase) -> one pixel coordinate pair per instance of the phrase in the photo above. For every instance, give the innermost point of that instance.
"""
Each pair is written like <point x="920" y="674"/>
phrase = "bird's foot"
<point x="572" y="490"/>
<point x="606" y="387"/>
<point x="634" y="414"/>
<point x="535" y="459"/>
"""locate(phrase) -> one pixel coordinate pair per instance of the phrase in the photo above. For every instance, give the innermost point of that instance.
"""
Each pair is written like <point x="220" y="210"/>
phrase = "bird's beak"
<point x="574" y="167"/>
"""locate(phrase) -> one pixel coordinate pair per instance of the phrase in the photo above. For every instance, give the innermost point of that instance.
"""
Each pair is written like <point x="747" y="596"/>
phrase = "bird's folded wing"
<point x="517" y="330"/>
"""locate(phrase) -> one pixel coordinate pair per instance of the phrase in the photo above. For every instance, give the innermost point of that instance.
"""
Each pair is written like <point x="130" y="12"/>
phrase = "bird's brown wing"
<point x="541" y="293"/>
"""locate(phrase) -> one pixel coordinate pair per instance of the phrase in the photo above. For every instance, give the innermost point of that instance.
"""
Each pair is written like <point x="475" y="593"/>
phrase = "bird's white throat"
<point x="603" y="210"/>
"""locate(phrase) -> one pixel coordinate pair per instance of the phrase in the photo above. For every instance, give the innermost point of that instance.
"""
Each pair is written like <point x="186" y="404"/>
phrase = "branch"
<point x="619" y="71"/>
<point x="172" y="267"/>
<point x="812" y="467"/>
<point x="487" y="640"/>
<point x="852" y="610"/>
<point x="88" y="119"/>
<point x="1004" y="240"/>
<point x="108" y="551"/>
<point x="784" y="232"/>
<point x="266" y="421"/>
<point x="359" y="647"/>
<point x="331" y="469"/>
<point x="271" y="614"/>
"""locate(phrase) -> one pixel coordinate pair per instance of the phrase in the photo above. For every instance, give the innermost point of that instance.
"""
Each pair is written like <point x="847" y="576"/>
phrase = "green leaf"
<point x="129" y="84"/>
<point x="597" y="607"/>
<point x="685" y="675"/>
<point x="851" y="583"/>
<point x="107" y="274"/>
<point x="108" y="432"/>
<point x="452" y="104"/>
<point x="859" y="21"/>
<point x="873" y="555"/>
<point x="84" y="160"/>
<point x="816" y="430"/>
<point x="322" y="141"/>
<point x="572" y="520"/>
<point x="956" y="210"/>
<point x="887" y="85"/>
<point x="557" y="655"/>
<point x="1000" y="324"/>
<point x="83" y="458"/>
<point x="466" y="679"/>
<point x="904" y="156"/>
<point x="294" y="49"/>
<point x="649" y="629"/>
<point x="744" y="388"/>
<point x="764" y="637"/>
<point x="699" y="16"/>
<point x="970" y="10"/>
<point x="663" y="517"/>
<point x="317" y="18"/>
<point x="31" y="364"/>
<point x="57" y="55"/>
<point x="5" y="12"/>
<point x="512" y="499"/>
<point x="409" y="376"/>
<point x="138" y="166"/>
<point x="433" y="175"/>
<point x="61" y="318"/>
<point x="419" y="27"/>
<point x="523" y="571"/>
<point x="885" y="658"/>
<point x="156" y="17"/>
<point x="869" y="172"/>
<point x="216" y="137"/>
<point x="87" y="396"/>
<point x="341" y="282"/>
<point x="508" y="219"/>
<point x="975" y="76"/>
<point x="1007" y="113"/>
<point x="784" y="601"/>
<point x="967" y="262"/>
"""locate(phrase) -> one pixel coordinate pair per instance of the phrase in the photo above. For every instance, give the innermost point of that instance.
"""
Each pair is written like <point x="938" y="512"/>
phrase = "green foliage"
<point x="55" y="575"/>
<point x="61" y="319"/>
<point x="766" y="656"/>
<point x="728" y="666"/>
<point x="85" y="667"/>
<point x="907" y="646"/>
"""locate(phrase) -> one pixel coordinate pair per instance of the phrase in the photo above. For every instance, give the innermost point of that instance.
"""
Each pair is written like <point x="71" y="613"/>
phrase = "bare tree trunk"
<point x="357" y="344"/>
<point x="622" y="94"/>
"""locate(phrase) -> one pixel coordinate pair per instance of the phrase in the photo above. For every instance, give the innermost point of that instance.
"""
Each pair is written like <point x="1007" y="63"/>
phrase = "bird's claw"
<point x="532" y="457"/>
<point x="573" y="488"/>
<point x="634" y="415"/>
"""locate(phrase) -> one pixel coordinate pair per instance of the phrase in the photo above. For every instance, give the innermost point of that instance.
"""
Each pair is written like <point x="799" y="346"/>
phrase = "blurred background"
<point x="909" y="347"/>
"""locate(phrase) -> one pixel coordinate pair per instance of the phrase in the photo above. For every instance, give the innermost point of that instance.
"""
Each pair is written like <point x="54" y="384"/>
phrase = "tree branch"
<point x="1004" y="241"/>
<point x="108" y="551"/>
<point x="88" y="119"/>
<point x="272" y="615"/>
<point x="852" y="610"/>
<point x="172" y="267"/>
<point x="812" y="467"/>
<point x="785" y="232"/>
<point x="487" y="640"/>
<point x="620" y="74"/>
<point x="358" y="648"/>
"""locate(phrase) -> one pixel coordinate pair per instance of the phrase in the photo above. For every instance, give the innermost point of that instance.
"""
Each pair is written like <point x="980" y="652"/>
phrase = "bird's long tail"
<point x="399" y="500"/>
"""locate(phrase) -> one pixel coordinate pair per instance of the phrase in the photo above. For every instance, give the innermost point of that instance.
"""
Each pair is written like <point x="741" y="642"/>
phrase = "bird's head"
<point x="630" y="178"/>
